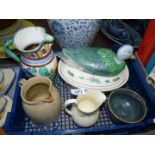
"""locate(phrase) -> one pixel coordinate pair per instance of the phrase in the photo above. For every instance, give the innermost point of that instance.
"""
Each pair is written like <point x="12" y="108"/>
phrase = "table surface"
<point x="100" y="41"/>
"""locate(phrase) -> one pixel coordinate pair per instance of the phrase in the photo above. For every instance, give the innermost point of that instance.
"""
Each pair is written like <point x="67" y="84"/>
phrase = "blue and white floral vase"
<point x="74" y="32"/>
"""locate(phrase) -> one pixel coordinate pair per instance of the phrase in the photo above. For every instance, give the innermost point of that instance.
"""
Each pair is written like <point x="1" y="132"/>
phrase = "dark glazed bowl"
<point x="118" y="29"/>
<point x="116" y="26"/>
<point x="126" y="106"/>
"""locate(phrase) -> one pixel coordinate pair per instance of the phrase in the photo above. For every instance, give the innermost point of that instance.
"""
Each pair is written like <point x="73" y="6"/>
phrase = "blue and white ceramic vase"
<point x="74" y="32"/>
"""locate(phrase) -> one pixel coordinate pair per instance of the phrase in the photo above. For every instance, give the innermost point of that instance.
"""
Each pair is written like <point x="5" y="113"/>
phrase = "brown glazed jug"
<point x="40" y="99"/>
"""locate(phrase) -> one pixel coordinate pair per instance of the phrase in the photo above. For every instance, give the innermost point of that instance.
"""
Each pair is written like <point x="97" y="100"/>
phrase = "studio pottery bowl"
<point x="126" y="106"/>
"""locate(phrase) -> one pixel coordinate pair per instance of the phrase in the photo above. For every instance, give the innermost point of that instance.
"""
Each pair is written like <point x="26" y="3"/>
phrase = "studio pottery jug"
<point x="40" y="99"/>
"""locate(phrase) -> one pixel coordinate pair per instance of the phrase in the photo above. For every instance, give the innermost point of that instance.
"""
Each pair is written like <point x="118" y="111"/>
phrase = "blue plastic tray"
<point x="18" y="123"/>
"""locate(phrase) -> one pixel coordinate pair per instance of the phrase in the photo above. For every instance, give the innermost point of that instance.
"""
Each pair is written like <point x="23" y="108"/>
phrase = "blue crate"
<point x="18" y="123"/>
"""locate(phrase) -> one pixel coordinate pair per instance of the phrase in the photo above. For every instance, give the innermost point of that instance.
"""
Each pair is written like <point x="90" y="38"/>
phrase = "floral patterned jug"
<point x="37" y="55"/>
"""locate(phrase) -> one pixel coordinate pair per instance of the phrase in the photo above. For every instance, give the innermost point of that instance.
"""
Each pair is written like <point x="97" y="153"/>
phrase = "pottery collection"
<point x="95" y="70"/>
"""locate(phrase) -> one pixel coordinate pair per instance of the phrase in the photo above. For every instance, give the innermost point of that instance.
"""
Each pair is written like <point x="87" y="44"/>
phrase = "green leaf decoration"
<point x="109" y="59"/>
<point x="107" y="81"/>
<point x="43" y="71"/>
<point x="94" y="80"/>
<point x="70" y="73"/>
<point x="116" y="79"/>
<point x="33" y="70"/>
<point x="81" y="77"/>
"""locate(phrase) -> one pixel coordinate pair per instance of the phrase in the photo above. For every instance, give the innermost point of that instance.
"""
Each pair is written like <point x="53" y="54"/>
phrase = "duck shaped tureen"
<point x="95" y="68"/>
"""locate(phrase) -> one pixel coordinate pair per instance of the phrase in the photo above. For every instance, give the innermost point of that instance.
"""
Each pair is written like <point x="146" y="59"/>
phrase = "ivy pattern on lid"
<point x="70" y="73"/>
<point x="94" y="80"/>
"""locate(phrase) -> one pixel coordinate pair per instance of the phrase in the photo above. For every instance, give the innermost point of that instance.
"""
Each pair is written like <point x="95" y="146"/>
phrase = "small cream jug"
<point x="85" y="108"/>
<point x="40" y="99"/>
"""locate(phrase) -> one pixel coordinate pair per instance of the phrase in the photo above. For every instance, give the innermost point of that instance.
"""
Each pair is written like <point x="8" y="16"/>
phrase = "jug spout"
<point x="99" y="98"/>
<point x="45" y="100"/>
<point x="49" y="38"/>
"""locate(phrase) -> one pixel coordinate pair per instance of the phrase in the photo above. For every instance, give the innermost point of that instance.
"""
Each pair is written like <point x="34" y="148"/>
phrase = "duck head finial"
<point x="125" y="52"/>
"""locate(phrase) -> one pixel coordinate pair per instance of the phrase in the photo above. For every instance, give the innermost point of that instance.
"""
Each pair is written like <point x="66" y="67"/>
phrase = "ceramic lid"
<point x="96" y="61"/>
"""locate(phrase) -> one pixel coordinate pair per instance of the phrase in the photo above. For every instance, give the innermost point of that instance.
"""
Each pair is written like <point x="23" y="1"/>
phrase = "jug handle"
<point x="21" y="82"/>
<point x="67" y="103"/>
<point x="8" y="51"/>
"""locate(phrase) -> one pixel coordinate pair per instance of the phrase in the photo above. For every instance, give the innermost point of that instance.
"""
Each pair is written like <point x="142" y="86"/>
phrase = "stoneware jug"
<point x="40" y="99"/>
<point x="85" y="108"/>
<point x="35" y="46"/>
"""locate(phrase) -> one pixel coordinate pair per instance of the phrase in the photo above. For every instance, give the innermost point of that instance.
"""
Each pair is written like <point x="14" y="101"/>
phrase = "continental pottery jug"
<point x="37" y="56"/>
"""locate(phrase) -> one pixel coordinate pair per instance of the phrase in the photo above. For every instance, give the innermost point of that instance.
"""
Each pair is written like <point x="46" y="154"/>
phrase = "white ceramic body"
<point x="74" y="32"/>
<point x="96" y="97"/>
<point x="41" y="112"/>
<point x="83" y="119"/>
